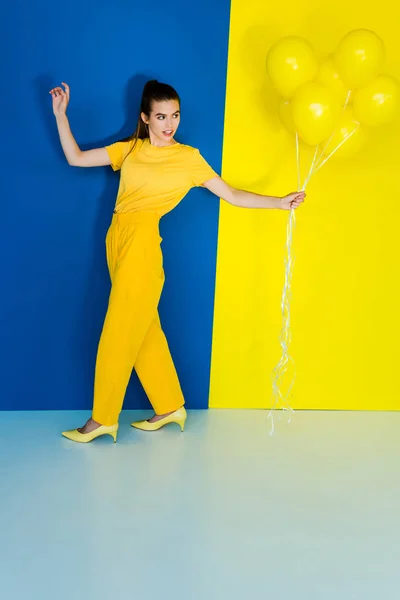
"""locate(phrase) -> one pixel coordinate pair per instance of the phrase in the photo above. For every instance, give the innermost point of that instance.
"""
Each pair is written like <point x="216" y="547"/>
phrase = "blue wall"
<point x="55" y="283"/>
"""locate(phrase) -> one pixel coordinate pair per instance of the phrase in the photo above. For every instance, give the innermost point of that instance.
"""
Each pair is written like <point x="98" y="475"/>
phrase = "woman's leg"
<point x="156" y="371"/>
<point x="135" y="263"/>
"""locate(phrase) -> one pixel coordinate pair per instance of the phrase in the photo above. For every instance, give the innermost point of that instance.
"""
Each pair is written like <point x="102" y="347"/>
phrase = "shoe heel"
<point x="114" y="435"/>
<point x="182" y="424"/>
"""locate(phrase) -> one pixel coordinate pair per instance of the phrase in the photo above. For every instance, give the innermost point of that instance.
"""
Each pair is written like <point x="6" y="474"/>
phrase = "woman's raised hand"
<point x="60" y="99"/>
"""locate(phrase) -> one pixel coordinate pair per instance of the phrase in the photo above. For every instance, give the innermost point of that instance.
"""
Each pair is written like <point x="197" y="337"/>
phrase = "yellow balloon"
<point x="315" y="111"/>
<point x="290" y="63"/>
<point x="285" y="114"/>
<point x="329" y="76"/>
<point x="359" y="57"/>
<point x="348" y="138"/>
<point x="376" y="104"/>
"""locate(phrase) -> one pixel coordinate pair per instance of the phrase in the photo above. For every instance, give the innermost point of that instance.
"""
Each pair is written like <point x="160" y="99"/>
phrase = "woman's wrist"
<point x="273" y="202"/>
<point x="61" y="118"/>
<point x="277" y="202"/>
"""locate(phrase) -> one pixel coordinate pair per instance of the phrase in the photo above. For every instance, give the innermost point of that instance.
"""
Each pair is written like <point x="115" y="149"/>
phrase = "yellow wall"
<point x="345" y="307"/>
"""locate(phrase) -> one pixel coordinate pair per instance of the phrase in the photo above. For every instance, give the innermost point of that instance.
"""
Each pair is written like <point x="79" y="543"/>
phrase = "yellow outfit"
<point x="153" y="181"/>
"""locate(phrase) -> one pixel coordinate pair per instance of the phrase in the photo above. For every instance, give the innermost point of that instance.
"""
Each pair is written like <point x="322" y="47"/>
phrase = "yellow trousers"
<point x="132" y="336"/>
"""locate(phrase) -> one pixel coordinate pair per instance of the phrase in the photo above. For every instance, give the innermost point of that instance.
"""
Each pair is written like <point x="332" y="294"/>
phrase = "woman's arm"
<point x="97" y="157"/>
<point x="244" y="199"/>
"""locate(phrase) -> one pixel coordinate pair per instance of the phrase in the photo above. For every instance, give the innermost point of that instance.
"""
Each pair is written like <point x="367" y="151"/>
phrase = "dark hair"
<point x="153" y="91"/>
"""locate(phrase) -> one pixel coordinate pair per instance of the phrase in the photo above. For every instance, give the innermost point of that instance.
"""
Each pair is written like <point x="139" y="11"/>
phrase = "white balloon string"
<point x="347" y="99"/>
<point x="311" y="171"/>
<point x="279" y="398"/>
<point x="336" y="149"/>
<point x="320" y="157"/>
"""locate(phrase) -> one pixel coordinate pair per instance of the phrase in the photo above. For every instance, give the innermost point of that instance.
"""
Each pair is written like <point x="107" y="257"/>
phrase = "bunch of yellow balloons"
<point x="334" y="102"/>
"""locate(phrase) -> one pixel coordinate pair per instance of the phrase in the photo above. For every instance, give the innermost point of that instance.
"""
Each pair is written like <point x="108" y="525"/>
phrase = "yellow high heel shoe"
<point x="179" y="417"/>
<point x="84" y="438"/>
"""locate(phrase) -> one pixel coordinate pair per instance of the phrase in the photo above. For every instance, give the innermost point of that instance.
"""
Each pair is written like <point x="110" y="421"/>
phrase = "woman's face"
<point x="163" y="122"/>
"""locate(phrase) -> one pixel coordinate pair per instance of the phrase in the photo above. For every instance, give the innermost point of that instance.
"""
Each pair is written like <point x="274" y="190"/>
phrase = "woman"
<point x="156" y="173"/>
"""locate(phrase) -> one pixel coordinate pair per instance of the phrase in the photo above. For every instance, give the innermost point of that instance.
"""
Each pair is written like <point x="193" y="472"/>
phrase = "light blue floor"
<point x="222" y="511"/>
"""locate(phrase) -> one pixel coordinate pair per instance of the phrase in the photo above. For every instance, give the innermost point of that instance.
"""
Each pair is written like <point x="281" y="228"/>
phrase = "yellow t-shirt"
<point x="155" y="179"/>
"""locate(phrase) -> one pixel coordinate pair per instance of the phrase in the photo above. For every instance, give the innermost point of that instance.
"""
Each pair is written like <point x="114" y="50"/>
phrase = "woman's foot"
<point x="159" y="417"/>
<point x="91" y="431"/>
<point x="158" y="421"/>
<point x="89" y="426"/>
